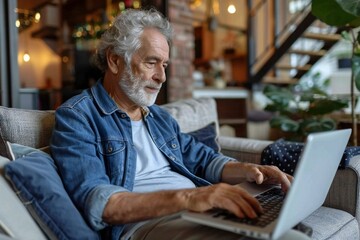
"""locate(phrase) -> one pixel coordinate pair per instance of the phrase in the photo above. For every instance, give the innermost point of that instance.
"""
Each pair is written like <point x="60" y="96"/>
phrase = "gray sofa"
<point x="338" y="219"/>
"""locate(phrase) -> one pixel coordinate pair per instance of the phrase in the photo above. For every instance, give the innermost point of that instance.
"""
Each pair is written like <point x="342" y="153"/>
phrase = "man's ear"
<point x="113" y="61"/>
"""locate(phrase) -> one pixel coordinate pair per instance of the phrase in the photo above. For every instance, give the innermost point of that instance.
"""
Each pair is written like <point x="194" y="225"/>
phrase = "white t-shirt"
<point x="153" y="172"/>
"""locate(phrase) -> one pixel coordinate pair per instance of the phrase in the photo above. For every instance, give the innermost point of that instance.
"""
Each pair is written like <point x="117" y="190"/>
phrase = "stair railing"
<point x="269" y="24"/>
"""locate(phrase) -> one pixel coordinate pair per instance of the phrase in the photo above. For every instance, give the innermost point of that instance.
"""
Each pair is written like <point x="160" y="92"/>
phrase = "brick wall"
<point x="180" y="83"/>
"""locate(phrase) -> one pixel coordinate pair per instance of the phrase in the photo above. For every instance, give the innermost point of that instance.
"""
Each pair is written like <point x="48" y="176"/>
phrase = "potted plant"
<point x="345" y="14"/>
<point x="303" y="108"/>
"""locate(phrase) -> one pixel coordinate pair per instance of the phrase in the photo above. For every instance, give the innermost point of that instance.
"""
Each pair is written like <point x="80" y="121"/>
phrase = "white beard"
<point x="134" y="88"/>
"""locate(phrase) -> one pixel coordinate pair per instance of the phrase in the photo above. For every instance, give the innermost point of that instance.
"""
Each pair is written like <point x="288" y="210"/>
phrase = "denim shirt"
<point x="93" y="148"/>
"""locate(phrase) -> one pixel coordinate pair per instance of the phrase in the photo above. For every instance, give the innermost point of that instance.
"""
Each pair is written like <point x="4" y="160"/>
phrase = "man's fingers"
<point x="259" y="177"/>
<point x="273" y="175"/>
<point x="234" y="199"/>
<point x="246" y="205"/>
<point x="287" y="182"/>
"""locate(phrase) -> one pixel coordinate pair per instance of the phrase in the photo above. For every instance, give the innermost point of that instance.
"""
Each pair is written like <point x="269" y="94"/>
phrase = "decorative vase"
<point x="219" y="83"/>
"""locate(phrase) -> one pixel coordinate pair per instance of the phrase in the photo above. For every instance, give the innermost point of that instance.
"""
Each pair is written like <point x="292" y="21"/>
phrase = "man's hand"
<point x="232" y="198"/>
<point x="236" y="172"/>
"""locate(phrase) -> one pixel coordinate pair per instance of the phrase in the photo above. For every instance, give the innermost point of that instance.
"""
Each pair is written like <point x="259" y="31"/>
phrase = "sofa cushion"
<point x="31" y="128"/>
<point x="330" y="223"/>
<point x="38" y="185"/>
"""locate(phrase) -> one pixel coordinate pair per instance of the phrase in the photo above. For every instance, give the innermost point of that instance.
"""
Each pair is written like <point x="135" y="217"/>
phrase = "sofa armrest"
<point x="344" y="191"/>
<point x="243" y="149"/>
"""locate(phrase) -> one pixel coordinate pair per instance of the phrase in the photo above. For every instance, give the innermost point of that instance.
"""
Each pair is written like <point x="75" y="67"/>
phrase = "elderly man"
<point x="123" y="160"/>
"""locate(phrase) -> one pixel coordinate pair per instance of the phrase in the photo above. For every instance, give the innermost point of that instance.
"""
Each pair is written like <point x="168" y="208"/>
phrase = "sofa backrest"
<point x="33" y="128"/>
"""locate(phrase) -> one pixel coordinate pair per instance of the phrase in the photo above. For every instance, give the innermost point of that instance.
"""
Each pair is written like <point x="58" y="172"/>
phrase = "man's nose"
<point x="160" y="74"/>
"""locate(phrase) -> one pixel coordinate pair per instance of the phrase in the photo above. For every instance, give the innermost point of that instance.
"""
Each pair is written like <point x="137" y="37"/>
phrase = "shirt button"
<point x="123" y="115"/>
<point x="173" y="145"/>
<point x="172" y="158"/>
<point x="109" y="149"/>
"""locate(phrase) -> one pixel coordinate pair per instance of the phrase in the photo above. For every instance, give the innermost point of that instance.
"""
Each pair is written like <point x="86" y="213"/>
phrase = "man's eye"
<point x="150" y="64"/>
<point x="165" y="65"/>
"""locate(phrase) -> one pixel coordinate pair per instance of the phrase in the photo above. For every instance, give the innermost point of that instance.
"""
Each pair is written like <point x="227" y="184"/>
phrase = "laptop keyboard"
<point x="271" y="202"/>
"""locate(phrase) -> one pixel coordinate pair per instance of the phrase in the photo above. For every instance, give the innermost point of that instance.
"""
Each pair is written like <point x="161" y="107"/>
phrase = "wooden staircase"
<point x="278" y="67"/>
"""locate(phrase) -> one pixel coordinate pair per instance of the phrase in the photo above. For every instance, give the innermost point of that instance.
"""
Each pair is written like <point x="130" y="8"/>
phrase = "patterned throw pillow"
<point x="282" y="154"/>
<point x="285" y="155"/>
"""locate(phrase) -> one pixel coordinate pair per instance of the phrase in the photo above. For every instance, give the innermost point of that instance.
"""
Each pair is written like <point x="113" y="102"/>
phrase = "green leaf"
<point x="355" y="23"/>
<point x="289" y="126"/>
<point x="331" y="13"/>
<point x="276" y="121"/>
<point x="311" y="127"/>
<point x="317" y="125"/>
<point x="324" y="106"/>
<point x="350" y="6"/>
<point x="356" y="70"/>
<point x="279" y="96"/>
<point x="271" y="108"/>
<point x="327" y="124"/>
<point x="312" y="93"/>
<point x="346" y="35"/>
<point x="284" y="123"/>
<point x="358" y="38"/>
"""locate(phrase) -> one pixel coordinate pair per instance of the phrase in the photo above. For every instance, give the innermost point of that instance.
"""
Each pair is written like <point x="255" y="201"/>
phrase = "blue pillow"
<point x="38" y="185"/>
<point x="207" y="135"/>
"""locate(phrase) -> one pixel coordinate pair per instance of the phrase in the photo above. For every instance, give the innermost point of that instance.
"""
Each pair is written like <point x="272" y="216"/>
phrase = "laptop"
<point x="313" y="176"/>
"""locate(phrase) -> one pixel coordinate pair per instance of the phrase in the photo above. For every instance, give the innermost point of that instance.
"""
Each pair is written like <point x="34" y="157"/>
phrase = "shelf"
<point x="229" y="92"/>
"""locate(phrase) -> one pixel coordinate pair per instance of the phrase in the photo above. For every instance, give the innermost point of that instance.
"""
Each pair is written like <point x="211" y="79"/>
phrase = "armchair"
<point x="338" y="219"/>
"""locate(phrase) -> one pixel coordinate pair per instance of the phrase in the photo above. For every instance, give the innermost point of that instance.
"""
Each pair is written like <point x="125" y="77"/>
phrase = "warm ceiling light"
<point x="231" y="9"/>
<point x="37" y="17"/>
<point x="26" y="57"/>
<point x="17" y="23"/>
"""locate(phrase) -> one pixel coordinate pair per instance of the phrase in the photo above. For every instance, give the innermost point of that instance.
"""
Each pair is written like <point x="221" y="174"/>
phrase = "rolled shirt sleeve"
<point x="96" y="203"/>
<point x="214" y="169"/>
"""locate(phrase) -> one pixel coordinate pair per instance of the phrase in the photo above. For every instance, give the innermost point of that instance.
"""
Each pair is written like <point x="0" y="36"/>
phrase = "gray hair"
<point x="123" y="36"/>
